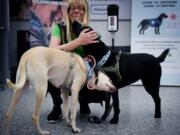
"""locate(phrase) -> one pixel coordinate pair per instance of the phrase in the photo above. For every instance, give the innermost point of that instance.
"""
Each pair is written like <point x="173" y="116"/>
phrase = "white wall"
<point x="122" y="36"/>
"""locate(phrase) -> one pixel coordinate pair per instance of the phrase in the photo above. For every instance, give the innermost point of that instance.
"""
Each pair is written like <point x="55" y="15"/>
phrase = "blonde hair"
<point x="84" y="3"/>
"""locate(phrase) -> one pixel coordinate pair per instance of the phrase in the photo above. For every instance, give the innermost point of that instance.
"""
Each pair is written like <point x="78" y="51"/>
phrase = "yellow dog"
<point x="40" y="64"/>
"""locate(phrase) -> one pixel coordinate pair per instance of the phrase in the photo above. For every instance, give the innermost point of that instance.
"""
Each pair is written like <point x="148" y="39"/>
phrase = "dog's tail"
<point x="163" y="55"/>
<point x="21" y="77"/>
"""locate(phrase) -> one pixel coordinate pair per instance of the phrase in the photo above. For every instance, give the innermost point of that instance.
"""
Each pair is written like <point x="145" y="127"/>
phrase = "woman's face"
<point x="76" y="12"/>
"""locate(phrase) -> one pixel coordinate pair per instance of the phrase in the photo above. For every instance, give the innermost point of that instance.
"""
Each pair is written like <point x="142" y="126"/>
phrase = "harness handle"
<point x="94" y="87"/>
<point x="90" y="58"/>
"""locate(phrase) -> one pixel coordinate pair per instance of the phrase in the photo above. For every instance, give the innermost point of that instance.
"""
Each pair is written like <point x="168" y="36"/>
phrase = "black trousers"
<point x="55" y="94"/>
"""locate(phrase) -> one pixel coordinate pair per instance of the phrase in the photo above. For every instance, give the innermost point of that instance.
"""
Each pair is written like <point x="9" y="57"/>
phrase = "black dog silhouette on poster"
<point x="155" y="22"/>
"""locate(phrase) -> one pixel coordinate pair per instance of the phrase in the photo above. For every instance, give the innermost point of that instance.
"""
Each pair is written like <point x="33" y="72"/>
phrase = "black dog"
<point x="132" y="68"/>
<point x="155" y="22"/>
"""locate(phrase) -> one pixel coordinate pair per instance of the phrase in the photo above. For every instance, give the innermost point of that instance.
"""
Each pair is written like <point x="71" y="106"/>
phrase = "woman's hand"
<point x="87" y="37"/>
<point x="84" y="38"/>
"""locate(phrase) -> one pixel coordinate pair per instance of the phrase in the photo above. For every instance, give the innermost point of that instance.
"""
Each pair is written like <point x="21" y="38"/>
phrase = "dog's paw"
<point x="114" y="120"/>
<point x="76" y="130"/>
<point x="44" y="133"/>
<point x="157" y="115"/>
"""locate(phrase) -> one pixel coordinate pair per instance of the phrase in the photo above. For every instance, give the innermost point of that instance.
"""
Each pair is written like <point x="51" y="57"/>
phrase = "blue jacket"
<point x="38" y="36"/>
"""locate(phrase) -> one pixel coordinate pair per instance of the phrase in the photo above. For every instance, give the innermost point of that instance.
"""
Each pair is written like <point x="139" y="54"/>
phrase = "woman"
<point x="76" y="10"/>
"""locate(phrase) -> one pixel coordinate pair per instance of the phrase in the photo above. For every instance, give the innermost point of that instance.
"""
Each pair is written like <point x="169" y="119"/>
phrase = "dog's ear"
<point x="77" y="27"/>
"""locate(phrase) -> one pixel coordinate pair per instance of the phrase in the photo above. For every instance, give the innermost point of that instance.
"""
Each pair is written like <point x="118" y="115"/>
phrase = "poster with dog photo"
<point x="43" y="14"/>
<point x="156" y="26"/>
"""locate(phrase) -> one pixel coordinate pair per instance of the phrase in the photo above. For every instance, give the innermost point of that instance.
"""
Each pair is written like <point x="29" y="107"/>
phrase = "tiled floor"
<point x="136" y="117"/>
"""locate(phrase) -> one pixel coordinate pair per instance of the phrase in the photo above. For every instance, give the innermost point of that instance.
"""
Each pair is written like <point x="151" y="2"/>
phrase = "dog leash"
<point x="96" y="120"/>
<point x="90" y="63"/>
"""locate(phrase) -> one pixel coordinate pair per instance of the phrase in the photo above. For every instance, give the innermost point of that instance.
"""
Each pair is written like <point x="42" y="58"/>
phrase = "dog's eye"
<point x="107" y="85"/>
<point x="110" y="80"/>
<point x="96" y="81"/>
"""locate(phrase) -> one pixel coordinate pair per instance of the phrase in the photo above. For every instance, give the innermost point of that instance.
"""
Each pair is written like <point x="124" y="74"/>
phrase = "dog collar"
<point x="103" y="60"/>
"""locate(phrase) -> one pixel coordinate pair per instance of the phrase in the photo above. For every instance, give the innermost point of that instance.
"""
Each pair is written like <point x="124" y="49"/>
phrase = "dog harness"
<point x="103" y="60"/>
<point x="114" y="68"/>
<point x="71" y="66"/>
<point x="90" y="71"/>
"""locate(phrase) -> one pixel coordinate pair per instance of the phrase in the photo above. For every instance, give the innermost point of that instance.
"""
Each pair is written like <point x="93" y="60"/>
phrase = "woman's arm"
<point x="54" y="41"/>
<point x="55" y="36"/>
<point x="84" y="38"/>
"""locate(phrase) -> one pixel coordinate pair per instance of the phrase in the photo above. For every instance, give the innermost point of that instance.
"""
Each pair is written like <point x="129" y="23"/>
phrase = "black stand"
<point x="113" y="37"/>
